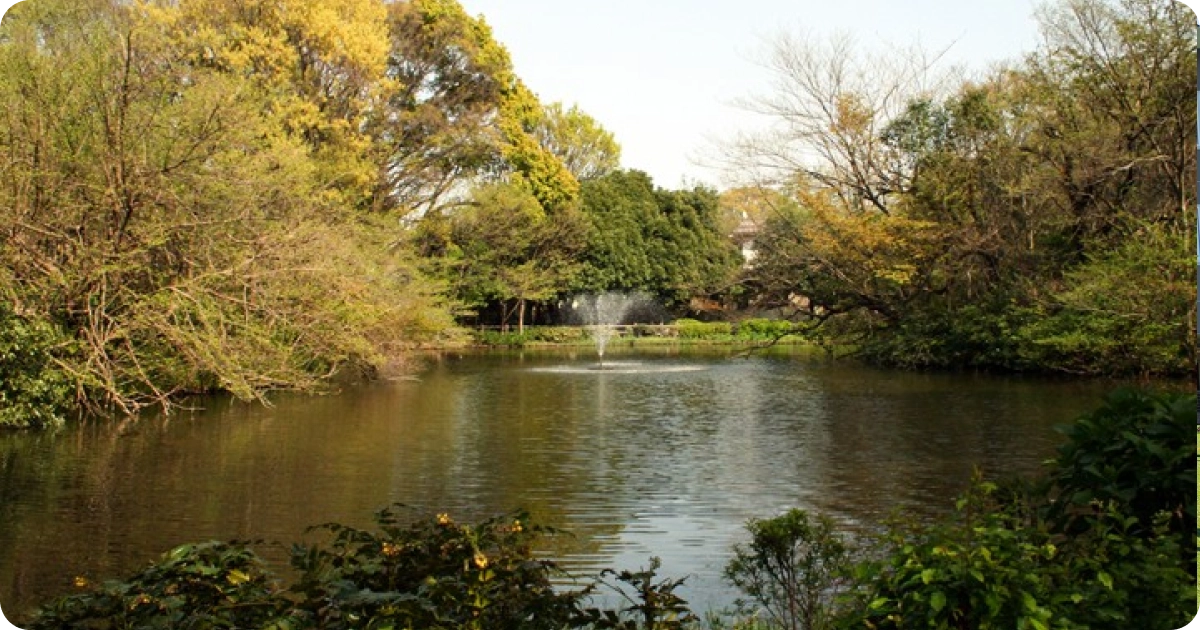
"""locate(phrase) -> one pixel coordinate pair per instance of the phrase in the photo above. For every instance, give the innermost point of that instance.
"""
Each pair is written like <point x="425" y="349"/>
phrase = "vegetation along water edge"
<point x="209" y="196"/>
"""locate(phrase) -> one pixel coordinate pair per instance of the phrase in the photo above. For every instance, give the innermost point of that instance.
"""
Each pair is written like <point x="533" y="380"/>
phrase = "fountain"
<point x="601" y="313"/>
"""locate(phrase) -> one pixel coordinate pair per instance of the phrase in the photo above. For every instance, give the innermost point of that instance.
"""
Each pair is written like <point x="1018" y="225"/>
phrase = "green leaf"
<point x="1105" y="579"/>
<point x="937" y="601"/>
<point x="927" y="575"/>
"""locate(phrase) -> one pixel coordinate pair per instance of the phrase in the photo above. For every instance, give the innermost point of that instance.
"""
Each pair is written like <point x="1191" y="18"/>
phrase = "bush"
<point x="652" y="603"/>
<point x="1136" y="450"/>
<point x="498" y="338"/>
<point x="978" y="569"/>
<point x="433" y="573"/>
<point x="791" y="569"/>
<point x="1104" y="540"/>
<point x="34" y="391"/>
<point x="653" y="330"/>
<point x="694" y="329"/>
<point x="210" y="585"/>
<point x="759" y="328"/>
<point x="990" y="566"/>
<point x="557" y="334"/>
<point x="532" y="334"/>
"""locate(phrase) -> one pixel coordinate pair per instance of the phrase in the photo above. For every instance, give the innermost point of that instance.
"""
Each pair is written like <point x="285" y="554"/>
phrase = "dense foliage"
<point x="219" y="195"/>
<point x="431" y="573"/>
<point x="664" y="243"/>
<point x="243" y="196"/>
<point x="1040" y="216"/>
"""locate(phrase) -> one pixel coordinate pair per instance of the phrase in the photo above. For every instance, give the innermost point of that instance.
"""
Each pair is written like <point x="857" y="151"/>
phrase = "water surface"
<point x="664" y="454"/>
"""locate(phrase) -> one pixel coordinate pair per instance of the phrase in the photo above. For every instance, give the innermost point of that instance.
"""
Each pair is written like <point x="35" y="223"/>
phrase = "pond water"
<point x="664" y="453"/>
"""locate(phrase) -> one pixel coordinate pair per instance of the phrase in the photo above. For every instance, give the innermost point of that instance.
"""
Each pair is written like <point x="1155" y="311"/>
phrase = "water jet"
<point x="601" y="313"/>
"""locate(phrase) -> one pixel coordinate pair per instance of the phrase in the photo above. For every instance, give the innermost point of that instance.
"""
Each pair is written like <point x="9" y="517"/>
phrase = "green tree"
<point x="505" y="249"/>
<point x="438" y="131"/>
<point x="321" y="65"/>
<point x="641" y="238"/>
<point x="586" y="149"/>
<point x="456" y="115"/>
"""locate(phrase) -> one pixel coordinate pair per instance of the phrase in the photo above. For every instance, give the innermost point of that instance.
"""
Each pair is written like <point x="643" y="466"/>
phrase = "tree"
<point x="794" y="567"/>
<point x="437" y="131"/>
<point x="830" y="109"/>
<point x="322" y="65"/>
<point x="663" y="242"/>
<point x="841" y="262"/>
<point x="1017" y="205"/>
<point x="586" y="149"/>
<point x="159" y="213"/>
<point x="504" y="248"/>
<point x="458" y="114"/>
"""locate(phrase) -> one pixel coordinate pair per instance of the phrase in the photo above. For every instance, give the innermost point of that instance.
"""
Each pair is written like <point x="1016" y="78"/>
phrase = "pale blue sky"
<point x="660" y="74"/>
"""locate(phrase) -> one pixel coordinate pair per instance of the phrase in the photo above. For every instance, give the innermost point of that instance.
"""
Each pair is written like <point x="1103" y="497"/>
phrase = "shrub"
<point x="791" y="569"/>
<point x="498" y="338"/>
<point x="1135" y="450"/>
<point x="557" y="334"/>
<point x="989" y="566"/>
<point x="652" y="605"/>
<point x="759" y="328"/>
<point x="974" y="570"/>
<point x="34" y="391"/>
<point x="209" y="585"/>
<point x="432" y="573"/>
<point x="694" y="329"/>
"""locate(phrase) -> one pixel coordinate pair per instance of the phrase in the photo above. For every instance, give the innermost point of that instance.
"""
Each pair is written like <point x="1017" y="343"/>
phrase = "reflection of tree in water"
<point x="631" y="465"/>
<point x="61" y="480"/>
<point x="911" y="441"/>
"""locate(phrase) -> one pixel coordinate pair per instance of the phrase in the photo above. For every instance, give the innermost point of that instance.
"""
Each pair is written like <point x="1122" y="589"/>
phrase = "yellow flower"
<point x="390" y="550"/>
<point x="517" y="526"/>
<point x="80" y="581"/>
<point x="481" y="560"/>
<point x="443" y="519"/>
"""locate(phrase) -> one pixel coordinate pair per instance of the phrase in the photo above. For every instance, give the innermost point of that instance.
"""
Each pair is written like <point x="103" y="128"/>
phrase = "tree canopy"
<point x="643" y="238"/>
<point x="1001" y="221"/>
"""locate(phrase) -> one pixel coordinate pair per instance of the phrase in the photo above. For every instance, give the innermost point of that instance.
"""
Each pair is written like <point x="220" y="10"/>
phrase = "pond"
<point x="666" y="453"/>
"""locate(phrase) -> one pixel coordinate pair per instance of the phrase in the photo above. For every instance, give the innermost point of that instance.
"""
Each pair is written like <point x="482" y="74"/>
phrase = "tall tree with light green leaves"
<point x="586" y="149"/>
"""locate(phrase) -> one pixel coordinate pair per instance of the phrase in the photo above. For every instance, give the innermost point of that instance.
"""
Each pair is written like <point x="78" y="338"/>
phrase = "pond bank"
<point x="750" y="332"/>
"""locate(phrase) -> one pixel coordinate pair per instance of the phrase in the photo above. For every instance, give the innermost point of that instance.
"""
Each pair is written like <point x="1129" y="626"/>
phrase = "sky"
<point x="663" y="75"/>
